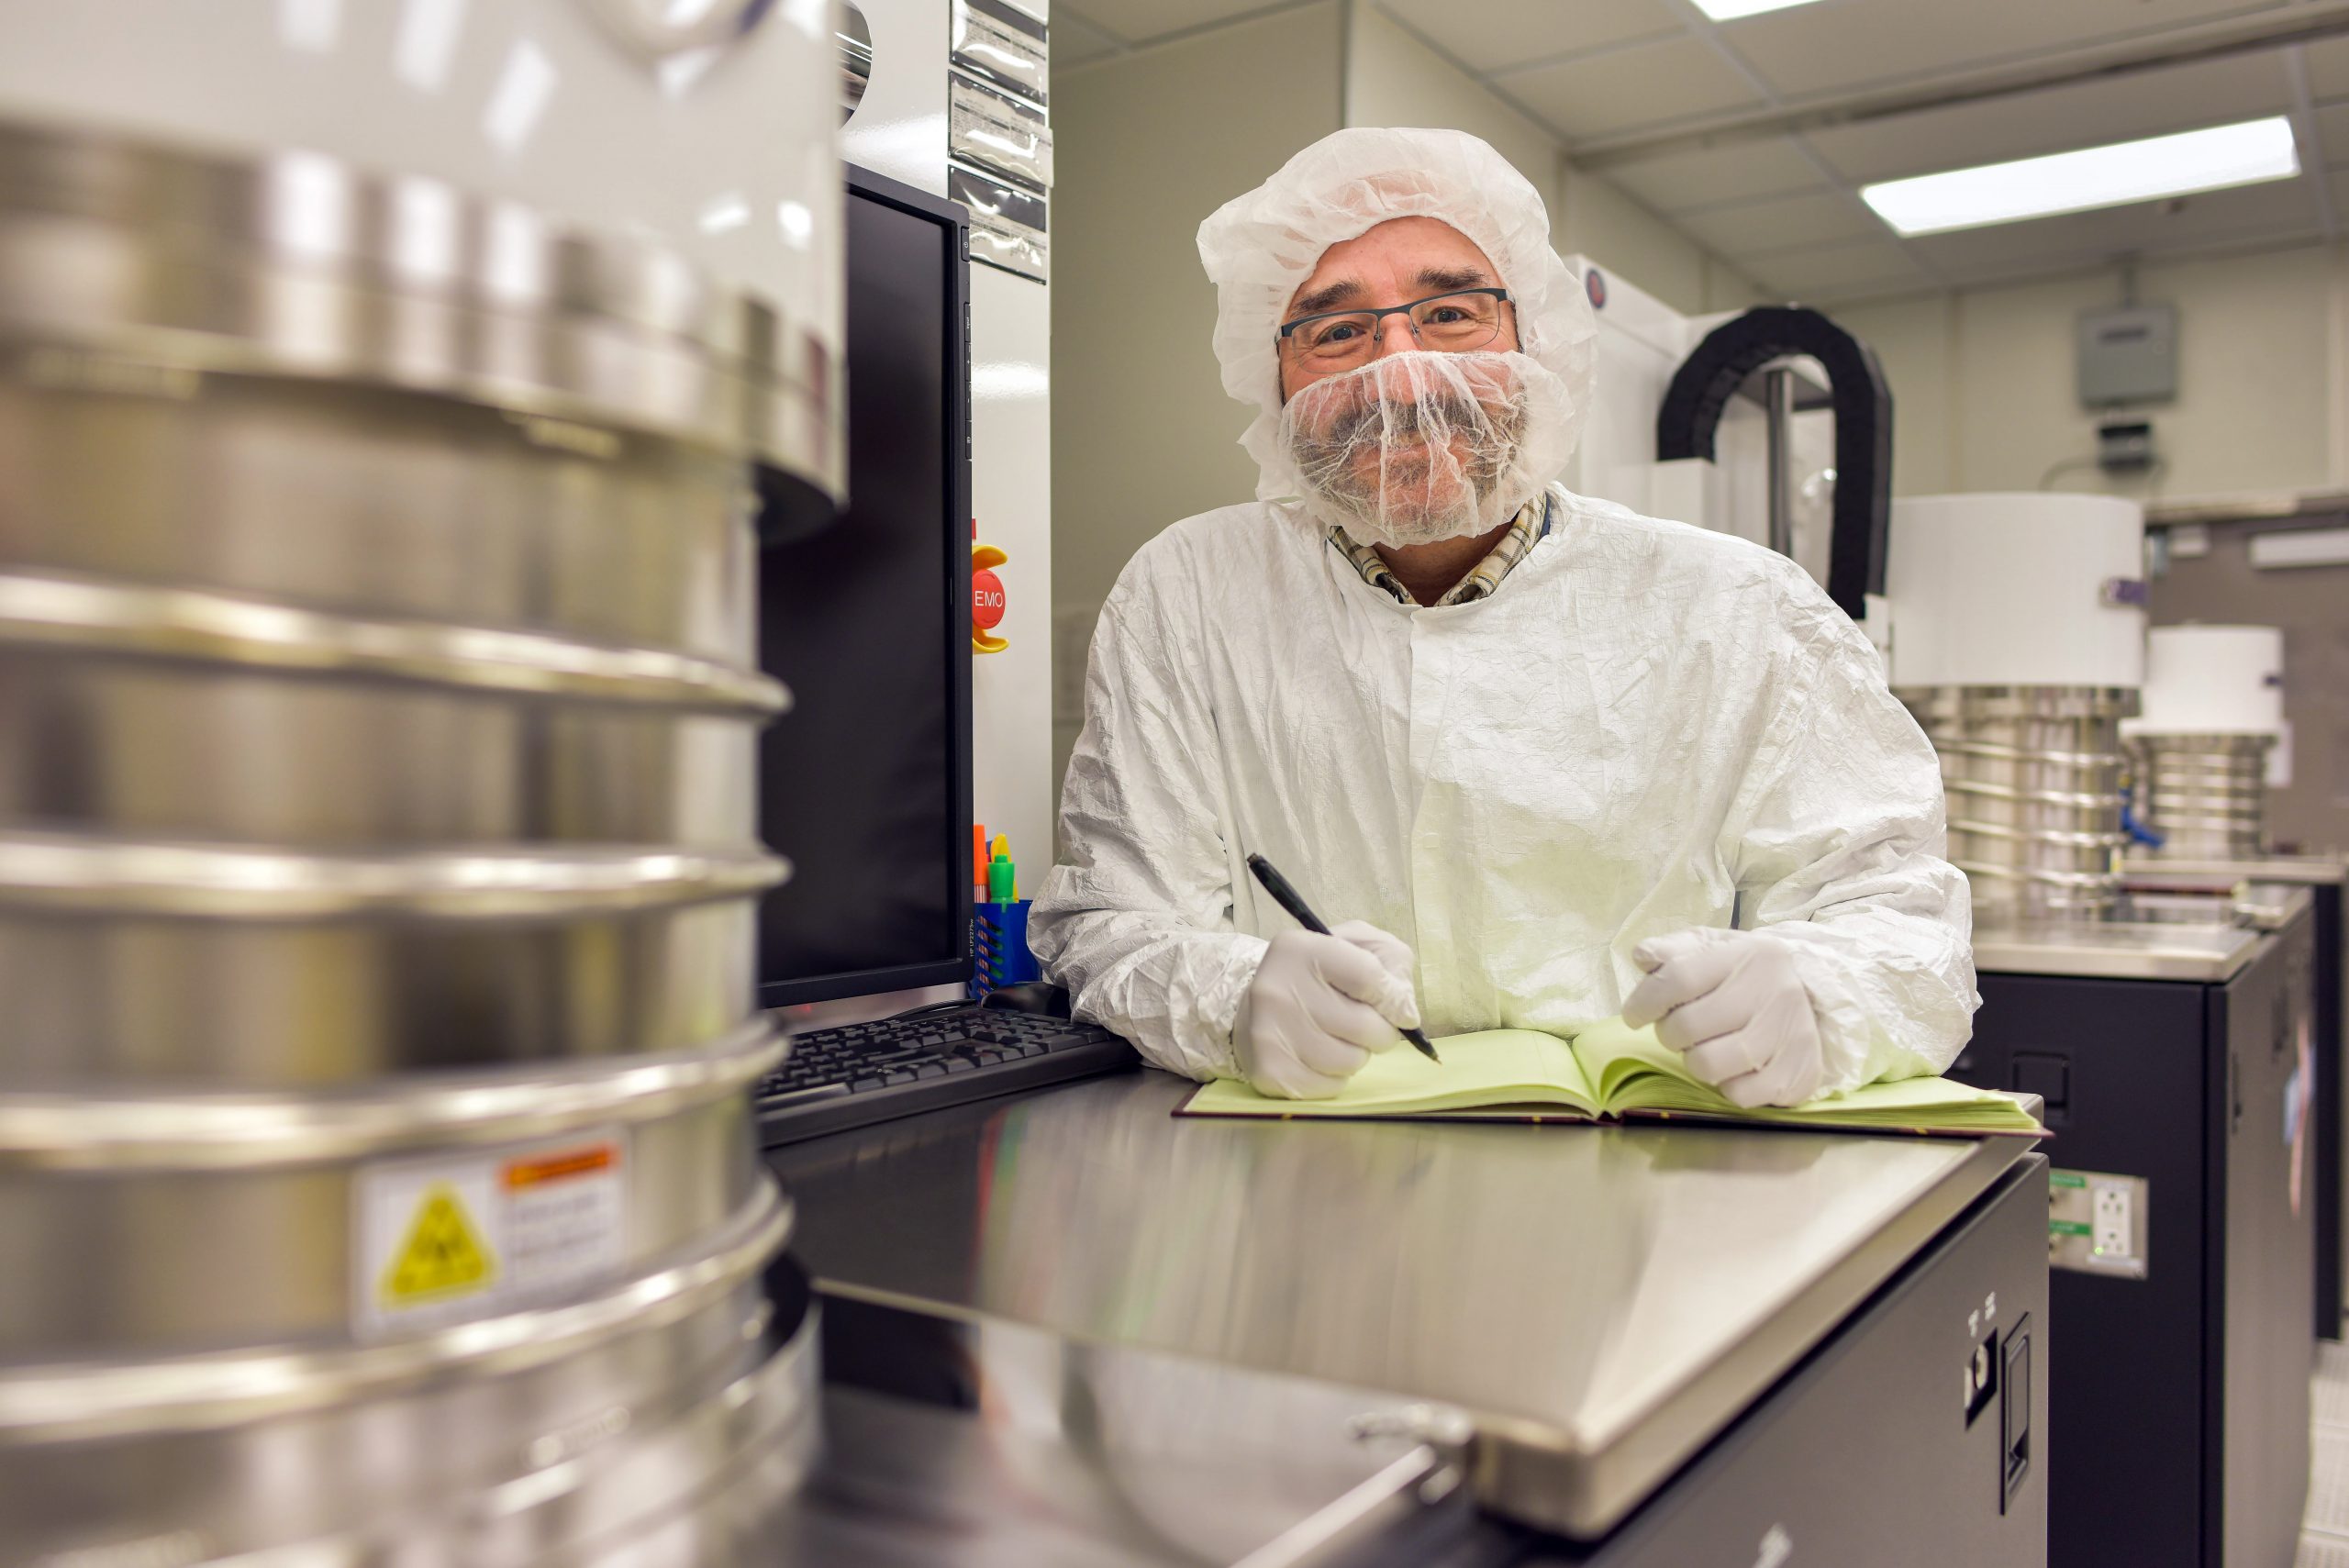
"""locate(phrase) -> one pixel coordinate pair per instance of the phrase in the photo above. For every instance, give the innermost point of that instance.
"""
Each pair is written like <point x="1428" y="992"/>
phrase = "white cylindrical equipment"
<point x="2018" y="640"/>
<point x="2212" y="680"/>
<point x="2017" y="590"/>
<point x="2214" y="709"/>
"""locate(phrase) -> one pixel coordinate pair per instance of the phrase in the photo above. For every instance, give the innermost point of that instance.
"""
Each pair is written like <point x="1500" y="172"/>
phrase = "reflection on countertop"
<point x="1575" y="1279"/>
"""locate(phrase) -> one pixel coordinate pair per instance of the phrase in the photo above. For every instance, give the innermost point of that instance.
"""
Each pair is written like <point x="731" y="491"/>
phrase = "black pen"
<point x="1289" y="899"/>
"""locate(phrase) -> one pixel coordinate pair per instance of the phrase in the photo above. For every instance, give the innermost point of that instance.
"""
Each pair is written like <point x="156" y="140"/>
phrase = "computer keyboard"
<point x="860" y="1074"/>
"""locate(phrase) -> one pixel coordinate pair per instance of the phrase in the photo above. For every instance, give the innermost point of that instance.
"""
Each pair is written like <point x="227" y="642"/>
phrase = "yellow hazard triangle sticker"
<point x="443" y="1254"/>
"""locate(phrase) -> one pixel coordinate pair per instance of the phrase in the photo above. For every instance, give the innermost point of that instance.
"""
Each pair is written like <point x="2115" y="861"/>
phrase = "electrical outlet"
<point x="2096" y="1222"/>
<point x="2112" y="1225"/>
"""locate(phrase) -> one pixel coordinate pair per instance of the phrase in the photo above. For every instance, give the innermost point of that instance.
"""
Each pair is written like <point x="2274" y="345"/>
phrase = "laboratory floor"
<point x="2324" y="1530"/>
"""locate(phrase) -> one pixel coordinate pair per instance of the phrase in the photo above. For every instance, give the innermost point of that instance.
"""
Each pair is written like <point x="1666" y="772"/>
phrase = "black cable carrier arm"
<point x="1705" y="382"/>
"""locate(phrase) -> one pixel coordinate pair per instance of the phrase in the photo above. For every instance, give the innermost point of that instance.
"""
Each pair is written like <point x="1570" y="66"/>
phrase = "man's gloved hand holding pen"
<point x="1735" y="1007"/>
<point x="1732" y="1003"/>
<point x="1319" y="1007"/>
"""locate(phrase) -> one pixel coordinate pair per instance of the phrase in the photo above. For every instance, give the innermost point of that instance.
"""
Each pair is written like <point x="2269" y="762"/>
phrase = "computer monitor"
<point x="866" y="784"/>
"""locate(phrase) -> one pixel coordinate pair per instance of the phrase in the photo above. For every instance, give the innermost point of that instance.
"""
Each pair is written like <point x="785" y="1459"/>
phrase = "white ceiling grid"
<point x="1609" y="77"/>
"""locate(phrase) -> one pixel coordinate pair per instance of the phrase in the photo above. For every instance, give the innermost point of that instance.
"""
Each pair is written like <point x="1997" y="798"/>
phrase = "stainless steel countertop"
<point x="2309" y="869"/>
<point x="1599" y="1301"/>
<point x="1084" y="1458"/>
<point x="2273" y="906"/>
<point x="2114" y="949"/>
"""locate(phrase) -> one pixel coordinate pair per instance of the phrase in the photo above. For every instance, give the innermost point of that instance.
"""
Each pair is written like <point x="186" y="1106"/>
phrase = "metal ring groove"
<point x="68" y="873"/>
<point x="268" y="1130"/>
<point x="2061" y="838"/>
<point x="2077" y="799"/>
<point x="2086" y="882"/>
<point x="82" y="615"/>
<point x="1998" y="752"/>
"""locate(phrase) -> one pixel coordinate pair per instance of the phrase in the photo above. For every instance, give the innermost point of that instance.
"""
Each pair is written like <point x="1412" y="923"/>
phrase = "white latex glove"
<point x="1733" y="1006"/>
<point x="1320" y="1006"/>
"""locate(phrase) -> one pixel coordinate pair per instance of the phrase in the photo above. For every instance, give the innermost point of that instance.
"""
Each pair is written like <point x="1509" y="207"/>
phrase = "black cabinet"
<point x="2178" y="1424"/>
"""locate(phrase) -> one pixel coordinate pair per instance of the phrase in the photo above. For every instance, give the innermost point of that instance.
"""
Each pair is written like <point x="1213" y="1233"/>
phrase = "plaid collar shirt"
<point x="1525" y="530"/>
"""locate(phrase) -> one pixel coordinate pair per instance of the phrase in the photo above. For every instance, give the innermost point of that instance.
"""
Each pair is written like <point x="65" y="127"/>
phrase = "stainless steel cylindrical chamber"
<point x="2206" y="795"/>
<point x="379" y="862"/>
<point x="165" y="265"/>
<point x="2032" y="776"/>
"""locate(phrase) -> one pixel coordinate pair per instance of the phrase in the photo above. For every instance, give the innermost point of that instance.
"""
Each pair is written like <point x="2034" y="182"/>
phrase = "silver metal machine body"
<point x="378" y="847"/>
<point x="2204" y="795"/>
<point x="2211" y="730"/>
<point x="2032" y="774"/>
<point x="2021" y="681"/>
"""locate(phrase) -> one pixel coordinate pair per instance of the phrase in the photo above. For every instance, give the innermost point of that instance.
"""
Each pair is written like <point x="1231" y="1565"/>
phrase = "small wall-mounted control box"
<point x="2128" y="354"/>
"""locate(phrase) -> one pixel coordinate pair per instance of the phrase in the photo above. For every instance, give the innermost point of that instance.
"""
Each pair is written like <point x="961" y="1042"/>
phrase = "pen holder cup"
<point x="999" y="947"/>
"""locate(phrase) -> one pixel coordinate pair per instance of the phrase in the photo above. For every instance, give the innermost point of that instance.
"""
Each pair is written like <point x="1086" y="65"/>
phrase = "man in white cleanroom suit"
<point x="1550" y="761"/>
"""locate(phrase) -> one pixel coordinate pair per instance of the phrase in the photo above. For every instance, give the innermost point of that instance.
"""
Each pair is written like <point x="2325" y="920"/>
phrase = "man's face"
<point x="1402" y="260"/>
<point x="1407" y="444"/>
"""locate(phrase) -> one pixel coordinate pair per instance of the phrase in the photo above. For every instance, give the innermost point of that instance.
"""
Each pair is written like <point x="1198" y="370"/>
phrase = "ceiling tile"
<point x="2040" y="269"/>
<point x="2287" y="206"/>
<point x="1490" y="34"/>
<point x="1818" y="218"/>
<point x="1836" y="296"/>
<point x="2086" y="114"/>
<point x="1075" y="41"/>
<point x="2332" y="132"/>
<point x="1139" y="21"/>
<point x="1737" y="172"/>
<point x="1793" y="274"/>
<point x="1626" y="88"/>
<point x="1849" y="43"/>
<point x="2329" y="68"/>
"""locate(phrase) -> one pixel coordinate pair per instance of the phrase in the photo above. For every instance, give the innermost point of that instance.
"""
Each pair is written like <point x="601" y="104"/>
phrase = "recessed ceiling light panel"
<point x="2157" y="167"/>
<point x="1729" y="10"/>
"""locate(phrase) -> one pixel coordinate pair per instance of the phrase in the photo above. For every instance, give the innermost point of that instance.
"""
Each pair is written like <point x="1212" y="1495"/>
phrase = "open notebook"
<point x="1611" y="1071"/>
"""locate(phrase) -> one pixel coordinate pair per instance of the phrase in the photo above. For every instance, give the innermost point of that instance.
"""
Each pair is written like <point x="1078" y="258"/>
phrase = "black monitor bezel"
<point x="953" y="222"/>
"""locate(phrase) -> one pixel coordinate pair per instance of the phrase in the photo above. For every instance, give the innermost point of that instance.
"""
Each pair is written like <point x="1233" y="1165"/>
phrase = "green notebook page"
<point x="1608" y="1070"/>
<point x="1635" y="1072"/>
<point x="1498" y="1067"/>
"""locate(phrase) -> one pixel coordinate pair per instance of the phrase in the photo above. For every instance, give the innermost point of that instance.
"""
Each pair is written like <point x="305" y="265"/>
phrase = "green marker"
<point x="1003" y="877"/>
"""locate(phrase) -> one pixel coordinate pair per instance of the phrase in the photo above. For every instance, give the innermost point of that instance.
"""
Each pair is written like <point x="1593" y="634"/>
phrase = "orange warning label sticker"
<point x="558" y="1167"/>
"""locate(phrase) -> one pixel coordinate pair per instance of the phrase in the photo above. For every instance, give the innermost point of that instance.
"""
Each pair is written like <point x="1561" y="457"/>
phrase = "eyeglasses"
<point x="1459" y="322"/>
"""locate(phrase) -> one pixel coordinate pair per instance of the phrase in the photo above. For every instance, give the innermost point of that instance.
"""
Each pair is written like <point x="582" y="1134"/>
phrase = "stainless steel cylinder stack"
<point x="2206" y="795"/>
<point x="378" y="872"/>
<point x="2034" y="779"/>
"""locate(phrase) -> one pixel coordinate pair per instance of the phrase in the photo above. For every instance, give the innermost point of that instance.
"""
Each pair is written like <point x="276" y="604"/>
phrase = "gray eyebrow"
<point x="1326" y="298"/>
<point x="1442" y="278"/>
<point x="1436" y="280"/>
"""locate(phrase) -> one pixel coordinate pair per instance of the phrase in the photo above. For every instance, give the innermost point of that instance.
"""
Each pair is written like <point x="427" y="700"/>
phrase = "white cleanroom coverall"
<point x="1648" y="727"/>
